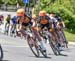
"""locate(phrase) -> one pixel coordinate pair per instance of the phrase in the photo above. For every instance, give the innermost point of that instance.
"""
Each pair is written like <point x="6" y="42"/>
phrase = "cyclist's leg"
<point x="18" y="28"/>
<point x="15" y="30"/>
<point x="5" y="27"/>
<point x="40" y="39"/>
<point x="10" y="29"/>
<point x="57" y="36"/>
<point x="60" y="35"/>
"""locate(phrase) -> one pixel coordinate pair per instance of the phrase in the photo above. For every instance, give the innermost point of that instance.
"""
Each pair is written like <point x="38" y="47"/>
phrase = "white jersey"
<point x="54" y="19"/>
<point x="34" y="22"/>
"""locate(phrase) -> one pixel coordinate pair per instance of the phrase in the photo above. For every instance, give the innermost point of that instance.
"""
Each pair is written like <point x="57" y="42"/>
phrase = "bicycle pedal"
<point x="44" y="50"/>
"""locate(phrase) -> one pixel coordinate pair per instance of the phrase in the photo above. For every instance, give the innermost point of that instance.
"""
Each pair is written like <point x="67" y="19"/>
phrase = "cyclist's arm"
<point x="33" y="23"/>
<point x="63" y="23"/>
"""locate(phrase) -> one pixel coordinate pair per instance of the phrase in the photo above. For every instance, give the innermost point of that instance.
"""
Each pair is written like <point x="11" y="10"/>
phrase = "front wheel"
<point x="1" y="53"/>
<point x="33" y="46"/>
<point x="54" y="47"/>
<point x="65" y="42"/>
<point x="44" y="53"/>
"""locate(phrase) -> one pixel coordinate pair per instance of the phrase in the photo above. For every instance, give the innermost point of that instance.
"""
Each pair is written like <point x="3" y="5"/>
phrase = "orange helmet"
<point x="34" y="16"/>
<point x="42" y="13"/>
<point x="20" y="12"/>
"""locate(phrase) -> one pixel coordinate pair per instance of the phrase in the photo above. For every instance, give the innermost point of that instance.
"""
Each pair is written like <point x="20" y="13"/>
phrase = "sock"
<point x="43" y="46"/>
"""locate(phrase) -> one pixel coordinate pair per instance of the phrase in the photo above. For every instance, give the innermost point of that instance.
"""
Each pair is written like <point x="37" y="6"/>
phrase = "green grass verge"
<point x="70" y="36"/>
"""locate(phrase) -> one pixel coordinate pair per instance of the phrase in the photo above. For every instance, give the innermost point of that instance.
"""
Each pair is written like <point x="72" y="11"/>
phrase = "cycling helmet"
<point x="42" y="13"/>
<point x="52" y="14"/>
<point x="20" y="12"/>
<point x="34" y="16"/>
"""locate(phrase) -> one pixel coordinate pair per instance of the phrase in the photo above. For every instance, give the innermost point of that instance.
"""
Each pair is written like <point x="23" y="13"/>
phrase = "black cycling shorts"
<point x="27" y="24"/>
<point x="45" y="25"/>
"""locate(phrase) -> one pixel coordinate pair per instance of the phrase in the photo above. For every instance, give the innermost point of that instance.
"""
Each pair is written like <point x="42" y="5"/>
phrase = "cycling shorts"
<point x="45" y="25"/>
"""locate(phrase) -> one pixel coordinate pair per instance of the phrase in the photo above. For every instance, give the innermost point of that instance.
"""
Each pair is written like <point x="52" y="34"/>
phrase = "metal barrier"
<point x="9" y="7"/>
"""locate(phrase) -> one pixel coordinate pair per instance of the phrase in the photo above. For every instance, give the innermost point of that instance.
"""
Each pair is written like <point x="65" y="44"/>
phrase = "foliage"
<point x="66" y="8"/>
<point x="70" y="37"/>
<point x="12" y="2"/>
<point x="1" y="2"/>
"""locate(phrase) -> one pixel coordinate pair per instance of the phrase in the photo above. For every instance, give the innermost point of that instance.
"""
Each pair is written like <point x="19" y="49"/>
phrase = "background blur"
<point x="64" y="8"/>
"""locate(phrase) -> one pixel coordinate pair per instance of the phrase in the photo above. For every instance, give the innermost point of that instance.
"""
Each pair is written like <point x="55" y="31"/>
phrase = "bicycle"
<point x="33" y="43"/>
<point x="63" y="38"/>
<point x="52" y="42"/>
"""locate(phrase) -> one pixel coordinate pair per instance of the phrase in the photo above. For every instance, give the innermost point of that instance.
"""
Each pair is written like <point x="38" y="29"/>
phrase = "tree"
<point x="66" y="8"/>
<point x="1" y="2"/>
<point x="12" y="2"/>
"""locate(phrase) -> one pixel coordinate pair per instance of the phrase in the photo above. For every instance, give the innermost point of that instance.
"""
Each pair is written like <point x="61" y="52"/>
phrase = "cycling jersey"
<point x="54" y="20"/>
<point x="34" y="22"/>
<point x="14" y="20"/>
<point x="58" y="18"/>
<point x="25" y="21"/>
<point x="44" y="21"/>
<point x="8" y="19"/>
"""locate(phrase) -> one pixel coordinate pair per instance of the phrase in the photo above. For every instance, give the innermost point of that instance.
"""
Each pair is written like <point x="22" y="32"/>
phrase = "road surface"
<point x="16" y="49"/>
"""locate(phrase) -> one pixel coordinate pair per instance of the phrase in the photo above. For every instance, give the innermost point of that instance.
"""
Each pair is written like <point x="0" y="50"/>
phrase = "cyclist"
<point x="8" y="18"/>
<point x="13" y="23"/>
<point x="61" y="25"/>
<point x="44" y="21"/>
<point x="56" y="28"/>
<point x="52" y="17"/>
<point x="25" y="22"/>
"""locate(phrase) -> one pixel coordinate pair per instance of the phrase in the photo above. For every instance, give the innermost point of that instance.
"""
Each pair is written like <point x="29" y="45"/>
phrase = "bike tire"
<point x="1" y="53"/>
<point x="65" y="42"/>
<point x="43" y="53"/>
<point x="54" y="47"/>
<point x="36" y="52"/>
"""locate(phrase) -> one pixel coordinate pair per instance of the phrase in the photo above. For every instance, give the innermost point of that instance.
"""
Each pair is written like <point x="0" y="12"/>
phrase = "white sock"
<point x="43" y="46"/>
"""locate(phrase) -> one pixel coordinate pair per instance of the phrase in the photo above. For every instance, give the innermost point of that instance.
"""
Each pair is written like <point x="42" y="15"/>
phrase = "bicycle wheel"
<point x="64" y="38"/>
<point x="44" y="53"/>
<point x="1" y="53"/>
<point x="54" y="47"/>
<point x="33" y="46"/>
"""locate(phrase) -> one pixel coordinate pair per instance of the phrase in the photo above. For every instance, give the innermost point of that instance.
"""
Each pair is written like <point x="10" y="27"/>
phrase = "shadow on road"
<point x="4" y="60"/>
<point x="63" y="55"/>
<point x="41" y="57"/>
<point x="59" y="55"/>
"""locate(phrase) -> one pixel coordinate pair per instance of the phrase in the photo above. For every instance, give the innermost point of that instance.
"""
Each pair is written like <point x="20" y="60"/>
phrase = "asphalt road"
<point x="16" y="49"/>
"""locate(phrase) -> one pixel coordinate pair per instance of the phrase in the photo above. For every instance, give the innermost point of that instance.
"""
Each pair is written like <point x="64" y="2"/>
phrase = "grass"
<point x="70" y="36"/>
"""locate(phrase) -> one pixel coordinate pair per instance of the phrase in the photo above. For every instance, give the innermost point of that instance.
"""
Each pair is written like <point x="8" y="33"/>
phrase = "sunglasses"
<point x="19" y="17"/>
